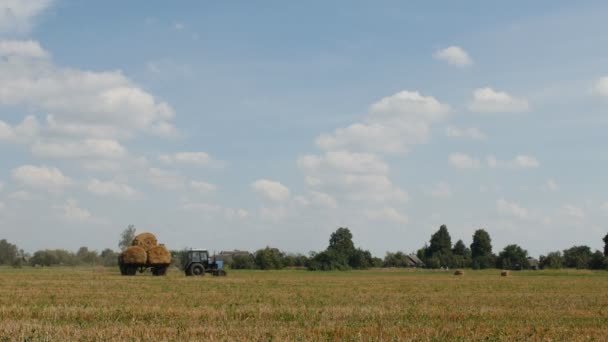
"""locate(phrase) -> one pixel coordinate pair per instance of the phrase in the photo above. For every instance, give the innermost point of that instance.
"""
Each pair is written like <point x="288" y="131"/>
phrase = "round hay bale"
<point x="159" y="255"/>
<point x="505" y="273"/>
<point x="459" y="273"/>
<point x="145" y="241"/>
<point x="134" y="255"/>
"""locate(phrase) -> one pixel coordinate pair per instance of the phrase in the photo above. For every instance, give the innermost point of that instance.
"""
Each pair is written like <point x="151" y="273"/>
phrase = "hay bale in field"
<point x="134" y="255"/>
<point x="159" y="255"/>
<point x="459" y="273"/>
<point x="145" y="241"/>
<point x="505" y="273"/>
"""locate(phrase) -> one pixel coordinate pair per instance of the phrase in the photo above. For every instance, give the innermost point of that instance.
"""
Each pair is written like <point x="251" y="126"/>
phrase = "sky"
<point x="240" y="125"/>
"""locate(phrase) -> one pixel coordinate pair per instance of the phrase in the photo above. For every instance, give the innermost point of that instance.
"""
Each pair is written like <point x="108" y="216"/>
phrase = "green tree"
<point x="269" y="259"/>
<point x="461" y="255"/>
<point x="481" y="250"/>
<point x="126" y="237"/>
<point x="341" y="241"/>
<point x="8" y="253"/>
<point x="598" y="261"/>
<point x="109" y="257"/>
<point x="441" y="242"/>
<point x="243" y="262"/>
<point x="577" y="257"/>
<point x="85" y="256"/>
<point x="606" y="245"/>
<point x="512" y="257"/>
<point x="398" y="259"/>
<point x="553" y="260"/>
<point x="341" y="254"/>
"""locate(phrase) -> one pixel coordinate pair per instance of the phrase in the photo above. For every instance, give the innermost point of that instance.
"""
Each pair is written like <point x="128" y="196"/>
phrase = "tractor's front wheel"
<point x="197" y="270"/>
<point x="159" y="270"/>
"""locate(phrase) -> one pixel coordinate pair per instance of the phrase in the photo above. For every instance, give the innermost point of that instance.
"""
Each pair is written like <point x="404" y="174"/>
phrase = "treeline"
<point x="341" y="254"/>
<point x="440" y="253"/>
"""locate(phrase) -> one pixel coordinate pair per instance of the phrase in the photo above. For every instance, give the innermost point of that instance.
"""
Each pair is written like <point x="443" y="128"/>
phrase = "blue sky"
<point x="241" y="125"/>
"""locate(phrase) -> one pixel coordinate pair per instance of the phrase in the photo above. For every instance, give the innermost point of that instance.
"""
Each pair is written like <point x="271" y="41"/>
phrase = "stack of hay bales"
<point x="134" y="255"/>
<point x="145" y="250"/>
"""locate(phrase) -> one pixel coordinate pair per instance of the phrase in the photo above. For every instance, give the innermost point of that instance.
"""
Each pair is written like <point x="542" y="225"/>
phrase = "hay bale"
<point x="134" y="255"/>
<point x="505" y="273"/>
<point x="159" y="255"/>
<point x="145" y="241"/>
<point x="459" y="273"/>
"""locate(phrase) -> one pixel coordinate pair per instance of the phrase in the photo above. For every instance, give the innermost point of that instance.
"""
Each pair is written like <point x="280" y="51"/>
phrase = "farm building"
<point x="533" y="263"/>
<point x="414" y="261"/>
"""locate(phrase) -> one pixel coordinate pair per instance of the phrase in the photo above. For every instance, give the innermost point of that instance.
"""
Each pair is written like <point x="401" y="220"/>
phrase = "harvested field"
<point x="60" y="304"/>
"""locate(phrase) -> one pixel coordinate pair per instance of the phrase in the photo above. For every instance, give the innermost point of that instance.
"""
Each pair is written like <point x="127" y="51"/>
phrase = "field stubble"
<point x="98" y="304"/>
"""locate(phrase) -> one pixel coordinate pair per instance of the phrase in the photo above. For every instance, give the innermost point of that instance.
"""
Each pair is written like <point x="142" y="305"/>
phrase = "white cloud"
<point x="454" y="55"/>
<point x="323" y="200"/>
<point x="519" y="162"/>
<point x="111" y="188"/>
<point x="552" y="185"/>
<point x="164" y="179"/>
<point x="21" y="195"/>
<point x="83" y="103"/>
<point x="600" y="88"/>
<point x="573" y="211"/>
<point x="354" y="176"/>
<point x="388" y="214"/>
<point x="470" y="133"/>
<point x="18" y="15"/>
<point x="441" y="190"/>
<point x="41" y="177"/>
<point x="203" y="187"/>
<point x="70" y="211"/>
<point x="26" y="131"/>
<point x="511" y="209"/>
<point x="488" y="100"/>
<point x="272" y="190"/>
<point x="88" y="148"/>
<point x="463" y="161"/>
<point x="392" y="125"/>
<point x="211" y="210"/>
<point x="190" y="158"/>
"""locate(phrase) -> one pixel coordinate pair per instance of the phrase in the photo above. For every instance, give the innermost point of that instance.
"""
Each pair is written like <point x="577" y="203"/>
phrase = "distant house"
<point x="414" y="261"/>
<point x="227" y="256"/>
<point x="534" y="263"/>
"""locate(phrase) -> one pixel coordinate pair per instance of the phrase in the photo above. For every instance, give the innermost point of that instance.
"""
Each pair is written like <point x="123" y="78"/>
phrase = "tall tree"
<point x="8" y="252"/>
<point x="126" y="237"/>
<point x="606" y="245"/>
<point x="512" y="257"/>
<point x="441" y="242"/>
<point x="341" y="242"/>
<point x="481" y="250"/>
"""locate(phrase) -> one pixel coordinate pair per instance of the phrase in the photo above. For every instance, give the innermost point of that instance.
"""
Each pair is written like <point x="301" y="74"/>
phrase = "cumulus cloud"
<point x="202" y="187"/>
<point x="87" y="148"/>
<point x="511" y="209"/>
<point x="469" y="133"/>
<point x="83" y="103"/>
<point x="111" y="189"/>
<point x="573" y="211"/>
<point x="600" y="88"/>
<point x="41" y="177"/>
<point x="354" y="176"/>
<point x="388" y="214"/>
<point x="188" y="158"/>
<point x="454" y="55"/>
<point x="213" y="210"/>
<point x="552" y="185"/>
<point x="21" y="195"/>
<point x="441" y="190"/>
<point x="391" y="126"/>
<point x="26" y="131"/>
<point x="463" y="161"/>
<point x="488" y="100"/>
<point x="317" y="199"/>
<point x="519" y="162"/>
<point x="70" y="211"/>
<point x="274" y="191"/>
<point x="18" y="15"/>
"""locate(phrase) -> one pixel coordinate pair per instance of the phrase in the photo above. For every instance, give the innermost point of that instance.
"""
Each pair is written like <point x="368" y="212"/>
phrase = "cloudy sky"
<point x="234" y="125"/>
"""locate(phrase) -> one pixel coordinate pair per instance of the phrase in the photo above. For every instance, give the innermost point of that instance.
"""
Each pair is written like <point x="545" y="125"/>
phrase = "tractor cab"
<point x="197" y="262"/>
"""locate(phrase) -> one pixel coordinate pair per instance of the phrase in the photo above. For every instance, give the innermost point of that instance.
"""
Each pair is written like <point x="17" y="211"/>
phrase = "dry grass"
<point x="62" y="304"/>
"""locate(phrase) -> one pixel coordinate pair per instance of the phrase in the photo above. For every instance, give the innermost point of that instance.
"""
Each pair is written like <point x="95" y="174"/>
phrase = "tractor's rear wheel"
<point x="197" y="270"/>
<point x="130" y="270"/>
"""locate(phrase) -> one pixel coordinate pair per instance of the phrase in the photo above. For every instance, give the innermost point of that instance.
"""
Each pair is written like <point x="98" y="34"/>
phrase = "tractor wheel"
<point x="221" y="273"/>
<point x="159" y="270"/>
<point x="122" y="269"/>
<point x="197" y="270"/>
<point x="130" y="270"/>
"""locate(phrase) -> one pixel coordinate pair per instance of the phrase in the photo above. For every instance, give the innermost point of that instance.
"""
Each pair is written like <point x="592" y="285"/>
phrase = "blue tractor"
<point x="197" y="263"/>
